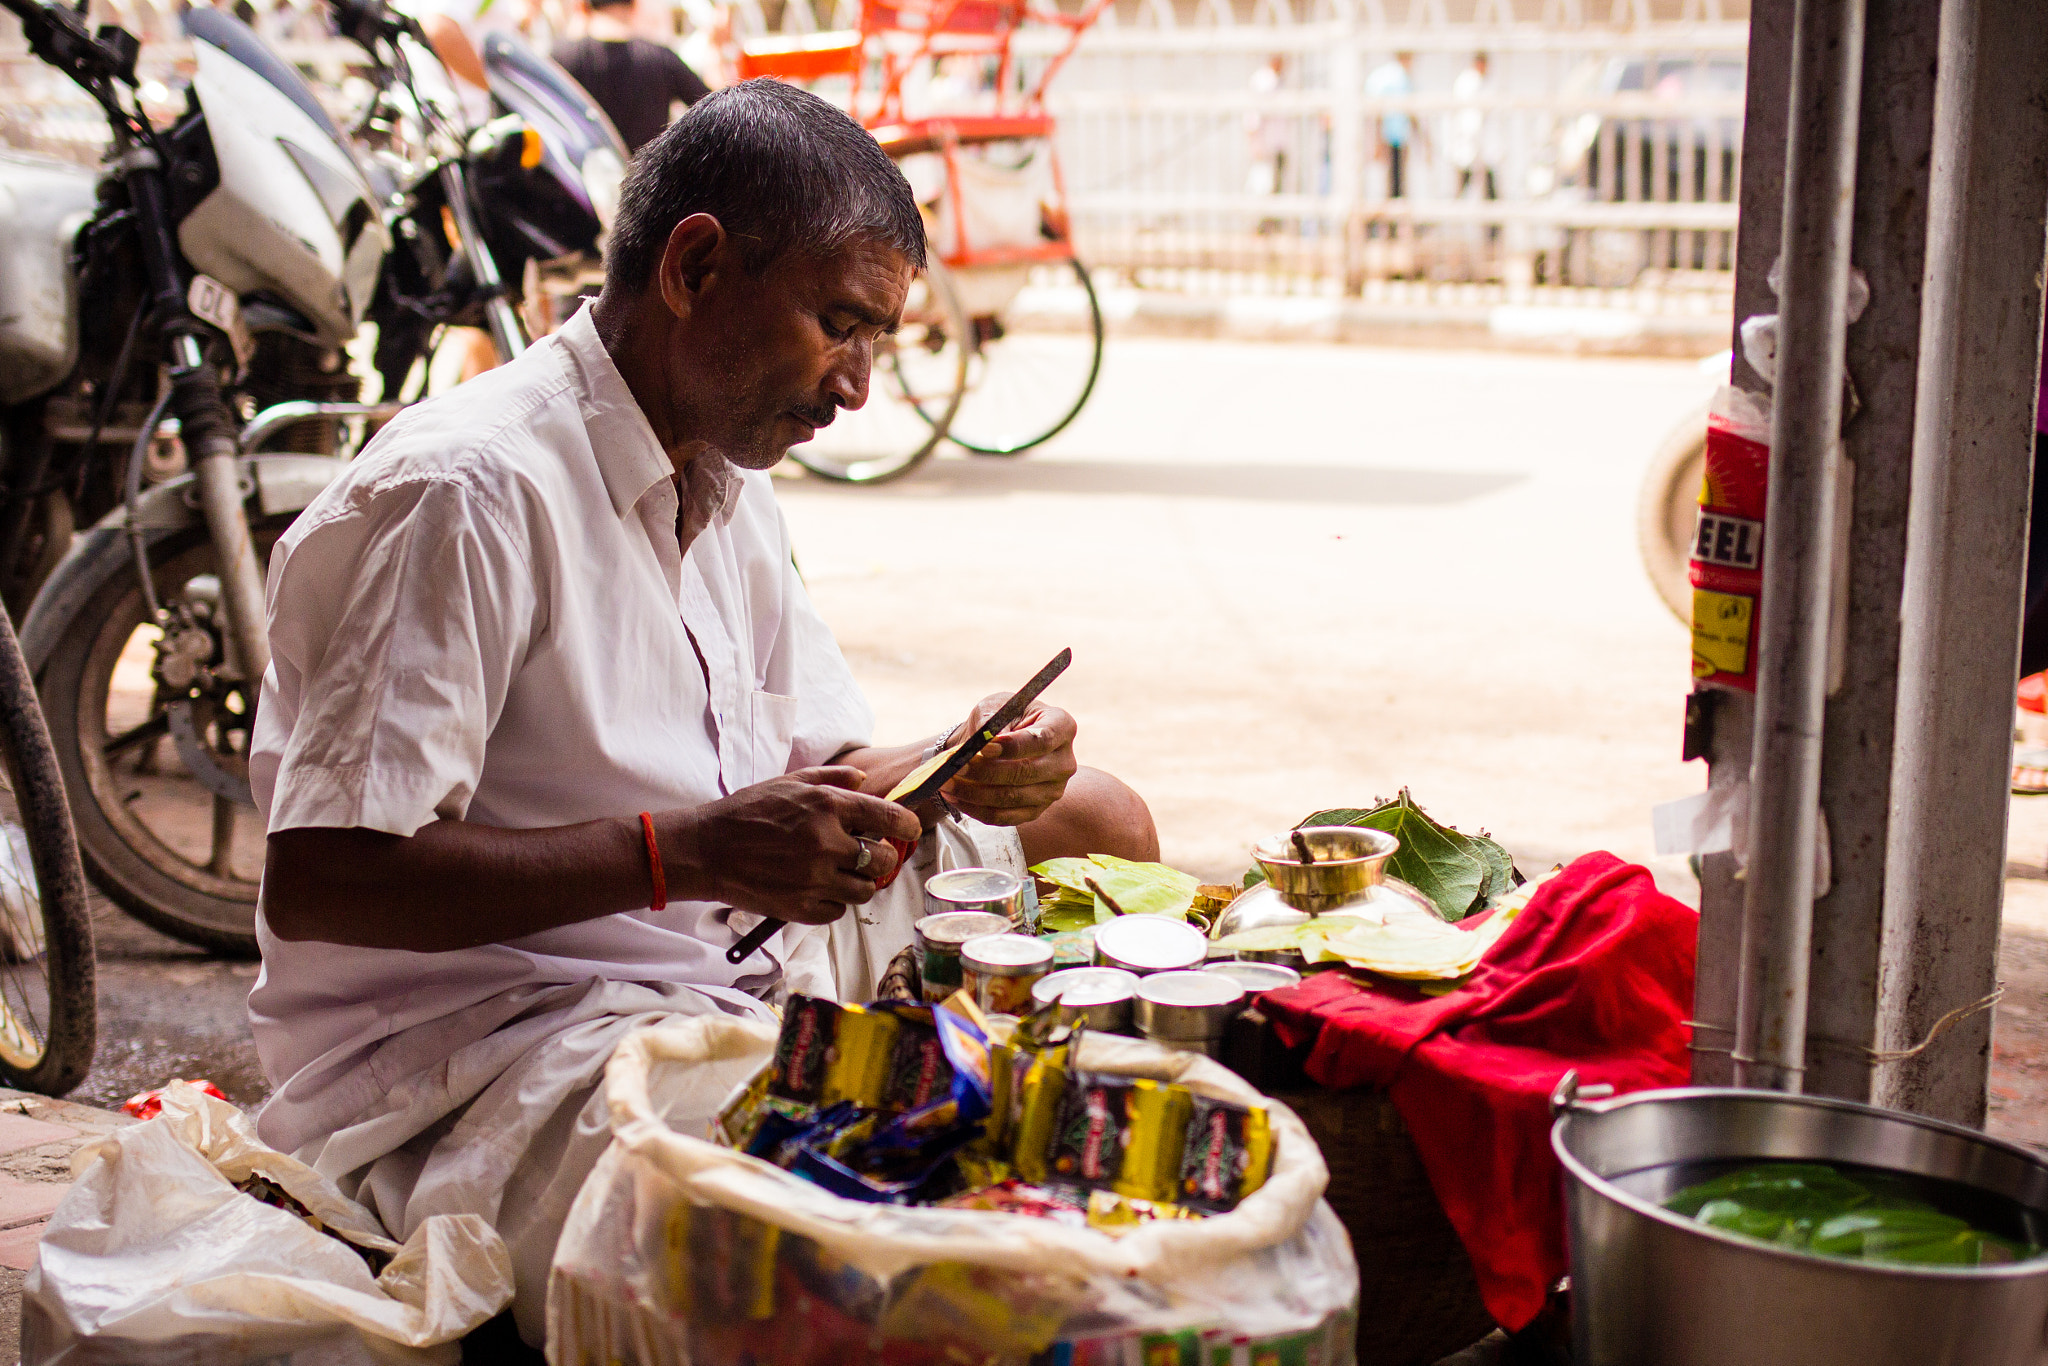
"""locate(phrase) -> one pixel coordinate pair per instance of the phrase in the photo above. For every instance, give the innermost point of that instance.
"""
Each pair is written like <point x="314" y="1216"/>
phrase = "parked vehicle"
<point x="531" y="192"/>
<point x="211" y="274"/>
<point x="1651" y="156"/>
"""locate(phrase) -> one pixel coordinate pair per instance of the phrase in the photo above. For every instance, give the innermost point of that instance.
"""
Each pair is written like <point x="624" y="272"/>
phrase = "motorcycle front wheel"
<point x="48" y="1002"/>
<point x="158" y="777"/>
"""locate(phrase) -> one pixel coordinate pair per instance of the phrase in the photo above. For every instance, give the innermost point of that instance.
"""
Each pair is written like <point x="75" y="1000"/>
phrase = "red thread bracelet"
<point x="654" y="864"/>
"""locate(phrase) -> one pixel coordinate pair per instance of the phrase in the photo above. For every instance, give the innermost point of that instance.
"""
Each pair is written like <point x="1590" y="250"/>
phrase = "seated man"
<point x="558" y="598"/>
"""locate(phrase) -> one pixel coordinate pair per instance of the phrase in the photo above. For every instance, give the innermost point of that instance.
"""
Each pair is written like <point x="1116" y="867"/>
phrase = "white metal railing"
<point x="1592" y="154"/>
<point x="1601" y="150"/>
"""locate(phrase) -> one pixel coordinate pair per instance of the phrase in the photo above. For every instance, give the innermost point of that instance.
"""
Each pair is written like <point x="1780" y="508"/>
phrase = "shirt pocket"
<point x="774" y="730"/>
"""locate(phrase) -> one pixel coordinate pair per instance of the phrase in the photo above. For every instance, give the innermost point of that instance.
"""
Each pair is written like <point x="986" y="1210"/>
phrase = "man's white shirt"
<point x="487" y="617"/>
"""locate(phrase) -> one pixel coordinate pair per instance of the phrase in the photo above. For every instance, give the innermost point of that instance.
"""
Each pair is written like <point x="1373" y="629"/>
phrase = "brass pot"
<point x="1348" y="876"/>
<point x="1348" y="860"/>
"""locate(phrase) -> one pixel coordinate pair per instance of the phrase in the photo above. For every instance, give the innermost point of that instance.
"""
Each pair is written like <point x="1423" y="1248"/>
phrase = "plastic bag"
<point x="678" y="1251"/>
<point x="155" y="1256"/>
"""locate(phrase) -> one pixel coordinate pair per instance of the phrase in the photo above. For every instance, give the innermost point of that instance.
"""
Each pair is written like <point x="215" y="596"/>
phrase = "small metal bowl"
<point x="1348" y="860"/>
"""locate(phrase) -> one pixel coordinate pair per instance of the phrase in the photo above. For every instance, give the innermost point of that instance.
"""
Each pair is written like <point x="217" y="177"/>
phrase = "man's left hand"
<point x="1019" y="773"/>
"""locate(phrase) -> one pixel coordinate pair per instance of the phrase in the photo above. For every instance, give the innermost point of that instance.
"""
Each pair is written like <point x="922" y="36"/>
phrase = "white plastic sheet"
<point x="681" y="1253"/>
<point x="154" y="1256"/>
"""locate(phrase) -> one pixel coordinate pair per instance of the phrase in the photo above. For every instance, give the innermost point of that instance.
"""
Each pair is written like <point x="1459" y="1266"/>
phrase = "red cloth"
<point x="1595" y="974"/>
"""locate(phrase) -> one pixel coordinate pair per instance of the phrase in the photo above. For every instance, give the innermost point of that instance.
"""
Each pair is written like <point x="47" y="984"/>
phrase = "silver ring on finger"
<point x="867" y="856"/>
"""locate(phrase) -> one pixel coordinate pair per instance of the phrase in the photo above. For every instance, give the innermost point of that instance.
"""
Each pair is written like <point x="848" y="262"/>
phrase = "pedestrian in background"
<point x="1268" y="135"/>
<point x="1466" y="141"/>
<point x="636" y="81"/>
<point x="1394" y="80"/>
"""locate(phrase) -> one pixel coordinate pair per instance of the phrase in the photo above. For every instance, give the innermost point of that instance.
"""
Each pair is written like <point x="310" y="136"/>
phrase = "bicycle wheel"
<point x="159" y="774"/>
<point x="1668" y="510"/>
<point x="914" y="387"/>
<point x="48" y="1000"/>
<point x="1023" y="388"/>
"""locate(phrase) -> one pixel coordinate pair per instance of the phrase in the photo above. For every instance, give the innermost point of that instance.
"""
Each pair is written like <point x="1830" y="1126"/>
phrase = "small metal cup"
<point x="1348" y="860"/>
<point x="939" y="938"/>
<point x="1256" y="975"/>
<point x="1187" y="1009"/>
<point x="1098" y="997"/>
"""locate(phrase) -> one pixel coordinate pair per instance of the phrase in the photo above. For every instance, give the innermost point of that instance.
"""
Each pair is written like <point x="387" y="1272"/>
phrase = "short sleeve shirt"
<point x="487" y="617"/>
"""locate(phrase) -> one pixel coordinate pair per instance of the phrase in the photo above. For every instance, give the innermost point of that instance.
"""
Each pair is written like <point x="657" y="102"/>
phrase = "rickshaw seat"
<point x="986" y="17"/>
<point x="804" y="58"/>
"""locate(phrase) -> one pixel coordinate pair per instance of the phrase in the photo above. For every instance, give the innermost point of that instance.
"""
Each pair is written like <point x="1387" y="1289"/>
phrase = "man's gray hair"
<point x="778" y="167"/>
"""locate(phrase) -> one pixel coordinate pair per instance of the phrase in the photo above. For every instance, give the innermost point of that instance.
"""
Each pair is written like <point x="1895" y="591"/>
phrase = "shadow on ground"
<point x="1258" y="482"/>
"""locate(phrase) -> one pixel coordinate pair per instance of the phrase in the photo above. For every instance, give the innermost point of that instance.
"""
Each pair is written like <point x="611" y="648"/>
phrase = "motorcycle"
<point x="530" y="193"/>
<point x="211" y="274"/>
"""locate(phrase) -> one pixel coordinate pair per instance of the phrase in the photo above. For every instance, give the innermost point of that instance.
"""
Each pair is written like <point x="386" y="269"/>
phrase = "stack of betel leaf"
<point x="1416" y="948"/>
<point x="916" y="1104"/>
<point x="1866" y="1215"/>
<point x="1096" y="889"/>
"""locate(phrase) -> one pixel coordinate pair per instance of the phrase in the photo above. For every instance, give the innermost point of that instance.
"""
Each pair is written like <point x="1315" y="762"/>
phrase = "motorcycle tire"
<point x="134" y="827"/>
<point x="49" y="1010"/>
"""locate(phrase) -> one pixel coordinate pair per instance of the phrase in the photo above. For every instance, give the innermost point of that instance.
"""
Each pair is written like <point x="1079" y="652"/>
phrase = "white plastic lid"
<point x="1150" y="943"/>
<point x="973" y="884"/>
<point x="1006" y="954"/>
<point x="1082" y="987"/>
<point x="1189" y="989"/>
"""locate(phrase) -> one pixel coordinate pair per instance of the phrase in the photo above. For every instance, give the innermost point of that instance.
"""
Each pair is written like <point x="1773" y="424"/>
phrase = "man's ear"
<point x="696" y="250"/>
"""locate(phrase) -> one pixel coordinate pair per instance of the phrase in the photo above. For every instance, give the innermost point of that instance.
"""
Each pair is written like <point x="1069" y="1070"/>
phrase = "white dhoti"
<point x="499" y="1109"/>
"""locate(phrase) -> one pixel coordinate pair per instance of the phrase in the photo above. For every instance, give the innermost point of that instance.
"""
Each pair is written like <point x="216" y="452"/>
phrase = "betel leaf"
<point x="1137" y="888"/>
<point x="1458" y="873"/>
<point x="1058" y="917"/>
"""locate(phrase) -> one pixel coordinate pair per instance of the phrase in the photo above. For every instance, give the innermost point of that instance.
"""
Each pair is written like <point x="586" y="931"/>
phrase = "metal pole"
<point x="1966" y="539"/>
<point x="1792" y="644"/>
<point x="1729" y="723"/>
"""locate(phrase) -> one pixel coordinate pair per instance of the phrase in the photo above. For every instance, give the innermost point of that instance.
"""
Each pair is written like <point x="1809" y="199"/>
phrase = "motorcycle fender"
<point x="281" y="483"/>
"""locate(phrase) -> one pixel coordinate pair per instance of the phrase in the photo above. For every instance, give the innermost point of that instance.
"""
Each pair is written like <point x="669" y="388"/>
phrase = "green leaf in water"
<point x="1816" y="1208"/>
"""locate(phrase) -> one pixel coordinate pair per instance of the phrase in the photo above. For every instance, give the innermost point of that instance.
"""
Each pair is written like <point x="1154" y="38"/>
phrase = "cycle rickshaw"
<point x="936" y="82"/>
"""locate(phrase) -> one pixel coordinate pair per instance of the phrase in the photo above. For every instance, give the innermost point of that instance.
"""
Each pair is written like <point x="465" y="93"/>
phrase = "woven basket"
<point x="1418" y="1301"/>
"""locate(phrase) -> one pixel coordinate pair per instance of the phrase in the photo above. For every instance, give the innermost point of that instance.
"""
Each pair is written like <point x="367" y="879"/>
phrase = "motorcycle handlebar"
<point x="59" y="37"/>
<point x="366" y="21"/>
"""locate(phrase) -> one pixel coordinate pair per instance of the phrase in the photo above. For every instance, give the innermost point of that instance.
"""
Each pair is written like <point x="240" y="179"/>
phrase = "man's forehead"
<point x="869" y="276"/>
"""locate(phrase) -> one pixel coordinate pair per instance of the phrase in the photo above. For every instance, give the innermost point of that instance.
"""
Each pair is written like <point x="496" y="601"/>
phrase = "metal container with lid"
<point x="1255" y="976"/>
<point x="1099" y="997"/>
<point x="1649" y="1285"/>
<point x="1187" y="1009"/>
<point x="988" y="890"/>
<point x="1149" y="943"/>
<point x="939" y="938"/>
<point x="1345" y="873"/>
<point x="999" y="970"/>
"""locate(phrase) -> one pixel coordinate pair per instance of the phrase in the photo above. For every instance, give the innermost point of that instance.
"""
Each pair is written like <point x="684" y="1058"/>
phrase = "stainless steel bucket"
<point x="1650" y="1288"/>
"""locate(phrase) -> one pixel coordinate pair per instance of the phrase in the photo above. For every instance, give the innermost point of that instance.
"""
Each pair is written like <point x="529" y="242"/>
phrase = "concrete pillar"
<point x="1966" y="549"/>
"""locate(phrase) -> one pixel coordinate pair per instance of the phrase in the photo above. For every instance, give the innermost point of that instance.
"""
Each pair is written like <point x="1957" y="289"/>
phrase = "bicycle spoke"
<point x="155" y="726"/>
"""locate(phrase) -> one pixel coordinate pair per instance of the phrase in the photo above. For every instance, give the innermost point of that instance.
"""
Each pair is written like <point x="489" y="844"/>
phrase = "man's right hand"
<point x="785" y="848"/>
